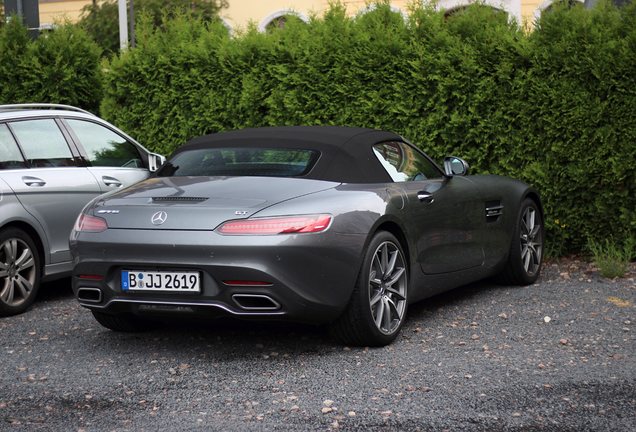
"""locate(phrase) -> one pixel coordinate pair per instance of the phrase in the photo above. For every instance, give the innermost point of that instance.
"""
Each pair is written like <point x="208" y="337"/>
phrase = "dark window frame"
<point x="25" y="162"/>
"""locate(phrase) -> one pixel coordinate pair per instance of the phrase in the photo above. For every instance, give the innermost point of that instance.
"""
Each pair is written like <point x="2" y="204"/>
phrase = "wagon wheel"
<point x="19" y="271"/>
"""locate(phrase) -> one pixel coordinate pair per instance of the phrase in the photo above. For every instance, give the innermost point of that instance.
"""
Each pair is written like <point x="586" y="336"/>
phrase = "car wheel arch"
<point x="34" y="235"/>
<point x="534" y="196"/>
<point x="398" y="232"/>
<point x="394" y="227"/>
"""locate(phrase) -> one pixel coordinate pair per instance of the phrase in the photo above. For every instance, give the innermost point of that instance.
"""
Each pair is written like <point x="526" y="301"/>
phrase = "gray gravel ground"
<point x="559" y="355"/>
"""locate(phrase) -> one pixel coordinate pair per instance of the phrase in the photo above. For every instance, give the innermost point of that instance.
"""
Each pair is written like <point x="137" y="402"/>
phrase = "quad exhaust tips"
<point x="247" y="302"/>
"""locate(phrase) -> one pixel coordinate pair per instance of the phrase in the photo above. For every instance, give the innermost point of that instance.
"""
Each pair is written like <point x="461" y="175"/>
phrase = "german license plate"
<point x="141" y="280"/>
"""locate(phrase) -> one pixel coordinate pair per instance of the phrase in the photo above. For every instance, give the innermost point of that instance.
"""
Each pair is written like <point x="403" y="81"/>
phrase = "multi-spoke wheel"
<point x="526" y="249"/>
<point x="379" y="301"/>
<point x="19" y="271"/>
<point x="387" y="287"/>
<point x="531" y="240"/>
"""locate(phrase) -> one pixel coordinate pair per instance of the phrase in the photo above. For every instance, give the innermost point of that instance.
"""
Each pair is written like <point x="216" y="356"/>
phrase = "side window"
<point x="10" y="156"/>
<point x="403" y="163"/>
<point x="104" y="147"/>
<point x="42" y="143"/>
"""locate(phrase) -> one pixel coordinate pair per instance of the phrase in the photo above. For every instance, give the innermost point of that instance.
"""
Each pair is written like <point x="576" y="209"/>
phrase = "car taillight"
<point x="246" y="283"/>
<point x="91" y="277"/>
<point x="277" y="225"/>
<point x="88" y="223"/>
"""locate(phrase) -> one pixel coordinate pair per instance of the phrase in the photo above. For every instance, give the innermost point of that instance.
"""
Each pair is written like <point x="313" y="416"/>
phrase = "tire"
<point x="20" y="271"/>
<point x="526" y="249"/>
<point x="127" y="323"/>
<point x="378" y="305"/>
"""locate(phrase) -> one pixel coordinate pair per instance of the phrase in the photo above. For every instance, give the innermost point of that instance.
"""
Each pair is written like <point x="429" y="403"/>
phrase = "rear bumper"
<point x="310" y="276"/>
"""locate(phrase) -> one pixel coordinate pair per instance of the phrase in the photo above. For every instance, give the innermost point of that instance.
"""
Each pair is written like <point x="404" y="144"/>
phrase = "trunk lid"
<point x="198" y="203"/>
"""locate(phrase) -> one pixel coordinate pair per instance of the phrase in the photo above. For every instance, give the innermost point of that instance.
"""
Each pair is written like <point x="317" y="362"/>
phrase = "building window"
<point x="279" y="18"/>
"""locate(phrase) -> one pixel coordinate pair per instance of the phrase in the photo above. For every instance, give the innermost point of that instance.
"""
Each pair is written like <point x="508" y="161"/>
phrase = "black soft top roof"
<point x="346" y="153"/>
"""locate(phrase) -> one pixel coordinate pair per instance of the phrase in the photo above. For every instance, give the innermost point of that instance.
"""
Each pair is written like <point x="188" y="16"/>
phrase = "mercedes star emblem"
<point x="159" y="218"/>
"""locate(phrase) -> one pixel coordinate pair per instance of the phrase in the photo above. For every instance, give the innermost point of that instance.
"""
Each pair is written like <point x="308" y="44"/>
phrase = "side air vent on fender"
<point x="494" y="210"/>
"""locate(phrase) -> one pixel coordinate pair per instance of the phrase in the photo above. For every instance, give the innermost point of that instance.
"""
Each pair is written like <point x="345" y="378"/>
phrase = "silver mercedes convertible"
<point x="329" y="225"/>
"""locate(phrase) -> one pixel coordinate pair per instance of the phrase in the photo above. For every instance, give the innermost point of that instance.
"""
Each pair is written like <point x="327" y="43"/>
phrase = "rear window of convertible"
<point x="268" y="162"/>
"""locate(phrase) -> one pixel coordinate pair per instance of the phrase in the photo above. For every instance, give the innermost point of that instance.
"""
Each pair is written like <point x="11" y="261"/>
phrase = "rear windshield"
<point x="228" y="162"/>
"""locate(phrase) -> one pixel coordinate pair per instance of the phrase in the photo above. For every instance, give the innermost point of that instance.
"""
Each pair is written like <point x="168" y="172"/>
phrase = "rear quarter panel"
<point x="360" y="210"/>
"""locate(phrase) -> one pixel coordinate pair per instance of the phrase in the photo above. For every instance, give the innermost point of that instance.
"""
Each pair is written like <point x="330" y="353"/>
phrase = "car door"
<point x="113" y="160"/>
<point x="443" y="214"/>
<point x="48" y="181"/>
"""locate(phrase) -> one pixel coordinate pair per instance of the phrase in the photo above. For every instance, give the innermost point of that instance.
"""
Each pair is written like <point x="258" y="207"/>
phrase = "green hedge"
<point x="555" y="107"/>
<point x="580" y="122"/>
<point x="62" y="66"/>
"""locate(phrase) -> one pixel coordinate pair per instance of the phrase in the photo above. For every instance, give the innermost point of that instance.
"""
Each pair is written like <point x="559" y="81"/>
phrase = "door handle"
<point x="425" y="197"/>
<point x="33" y="181"/>
<point x="111" y="181"/>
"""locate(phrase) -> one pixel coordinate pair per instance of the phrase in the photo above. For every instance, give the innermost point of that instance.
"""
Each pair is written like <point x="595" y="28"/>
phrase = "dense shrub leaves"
<point x="580" y="116"/>
<point x="58" y="67"/>
<point x="555" y="107"/>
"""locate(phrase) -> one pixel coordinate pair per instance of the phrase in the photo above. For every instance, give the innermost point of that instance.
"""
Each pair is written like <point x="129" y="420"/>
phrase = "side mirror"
<point x="155" y="161"/>
<point x="455" y="166"/>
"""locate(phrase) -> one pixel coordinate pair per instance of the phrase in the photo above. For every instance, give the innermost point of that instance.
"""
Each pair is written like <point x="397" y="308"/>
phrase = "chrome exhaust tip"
<point x="255" y="302"/>
<point x="89" y="295"/>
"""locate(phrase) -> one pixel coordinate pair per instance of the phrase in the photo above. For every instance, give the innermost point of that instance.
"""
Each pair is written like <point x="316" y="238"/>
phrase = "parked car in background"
<point x="333" y="225"/>
<point x="53" y="160"/>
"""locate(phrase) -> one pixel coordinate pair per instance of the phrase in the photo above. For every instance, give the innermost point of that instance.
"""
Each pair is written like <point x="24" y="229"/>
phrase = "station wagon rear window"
<point x="42" y="143"/>
<point x="241" y="161"/>
<point x="10" y="156"/>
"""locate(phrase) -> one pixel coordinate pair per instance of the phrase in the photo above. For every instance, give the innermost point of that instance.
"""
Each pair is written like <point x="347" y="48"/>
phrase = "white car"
<point x="53" y="160"/>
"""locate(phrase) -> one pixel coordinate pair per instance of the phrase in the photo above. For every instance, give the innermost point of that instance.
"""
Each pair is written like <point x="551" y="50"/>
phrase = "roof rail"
<point x="26" y="106"/>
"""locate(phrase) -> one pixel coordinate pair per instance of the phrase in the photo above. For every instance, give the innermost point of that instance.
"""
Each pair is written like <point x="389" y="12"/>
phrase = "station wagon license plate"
<point x="141" y="280"/>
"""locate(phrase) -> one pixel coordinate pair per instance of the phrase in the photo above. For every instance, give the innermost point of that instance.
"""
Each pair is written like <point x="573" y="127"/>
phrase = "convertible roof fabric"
<point x="346" y="154"/>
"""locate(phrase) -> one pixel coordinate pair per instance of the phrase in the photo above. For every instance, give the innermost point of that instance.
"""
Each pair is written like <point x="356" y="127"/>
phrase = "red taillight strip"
<point x="277" y="225"/>
<point x="91" y="277"/>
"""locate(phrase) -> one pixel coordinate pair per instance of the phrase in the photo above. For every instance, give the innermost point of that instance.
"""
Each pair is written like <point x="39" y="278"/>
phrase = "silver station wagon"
<point x="53" y="160"/>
